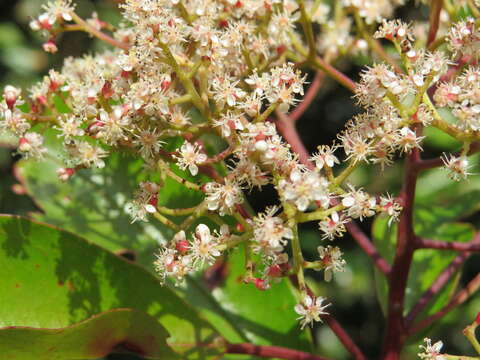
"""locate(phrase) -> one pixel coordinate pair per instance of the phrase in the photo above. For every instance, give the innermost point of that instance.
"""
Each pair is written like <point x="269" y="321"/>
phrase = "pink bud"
<point x="50" y="47"/>
<point x="182" y="246"/>
<point x="260" y="284"/>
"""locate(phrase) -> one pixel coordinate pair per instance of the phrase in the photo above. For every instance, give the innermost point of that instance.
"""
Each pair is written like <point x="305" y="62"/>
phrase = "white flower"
<point x="457" y="166"/>
<point x="144" y="202"/>
<point x="325" y="157"/>
<point x="223" y="197"/>
<point x="359" y="204"/>
<point x="204" y="246"/>
<point x="310" y="310"/>
<point x="31" y="146"/>
<point x="189" y="157"/>
<point x="333" y="226"/>
<point x="331" y="259"/>
<point x="270" y="233"/>
<point x="303" y="188"/>
<point x="431" y="352"/>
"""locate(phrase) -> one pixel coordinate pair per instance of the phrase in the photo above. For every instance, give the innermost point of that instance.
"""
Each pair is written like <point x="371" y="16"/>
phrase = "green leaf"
<point x="52" y="279"/>
<point x="122" y="329"/>
<point x="92" y="203"/>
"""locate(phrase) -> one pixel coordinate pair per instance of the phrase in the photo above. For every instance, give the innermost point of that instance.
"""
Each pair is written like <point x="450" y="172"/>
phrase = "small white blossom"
<point x="325" y="157"/>
<point x="223" y="197"/>
<point x="204" y="246"/>
<point x="310" y="310"/>
<point x="31" y="146"/>
<point x="457" y="166"/>
<point x="331" y="259"/>
<point x="431" y="352"/>
<point x="189" y="157"/>
<point x="333" y="226"/>
<point x="270" y="233"/>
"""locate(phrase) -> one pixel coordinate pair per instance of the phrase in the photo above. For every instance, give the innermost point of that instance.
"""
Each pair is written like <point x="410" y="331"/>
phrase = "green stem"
<point x="166" y="221"/>
<point x="164" y="168"/>
<point x="307" y="28"/>
<point x="469" y="333"/>
<point x="319" y="214"/>
<point x="185" y="80"/>
<point x="374" y="45"/>
<point x="298" y="261"/>
<point x="345" y="173"/>
<point x="263" y="116"/>
<point x="175" y="212"/>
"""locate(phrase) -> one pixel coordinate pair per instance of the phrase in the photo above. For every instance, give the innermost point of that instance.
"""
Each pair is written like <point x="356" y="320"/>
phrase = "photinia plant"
<point x="153" y="146"/>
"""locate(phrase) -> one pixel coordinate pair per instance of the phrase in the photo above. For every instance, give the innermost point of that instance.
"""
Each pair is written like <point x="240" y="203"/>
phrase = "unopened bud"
<point x="50" y="47"/>
<point x="182" y="246"/>
<point x="65" y="173"/>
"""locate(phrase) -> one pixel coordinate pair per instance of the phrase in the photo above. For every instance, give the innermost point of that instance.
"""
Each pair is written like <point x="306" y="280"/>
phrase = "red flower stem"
<point x="367" y="246"/>
<point x="458" y="299"/>
<point x="395" y="334"/>
<point x="270" y="352"/>
<point x="422" y="165"/>
<point x="287" y="129"/>
<point x="437" y="285"/>
<point x="345" y="339"/>
<point x="443" y="245"/>
<point x="309" y="97"/>
<point x="97" y="33"/>
<point x="219" y="157"/>
<point x="435" y="9"/>
<point x="321" y="64"/>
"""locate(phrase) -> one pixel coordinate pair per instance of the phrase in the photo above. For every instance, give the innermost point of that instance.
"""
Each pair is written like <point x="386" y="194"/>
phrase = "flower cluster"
<point x="191" y="87"/>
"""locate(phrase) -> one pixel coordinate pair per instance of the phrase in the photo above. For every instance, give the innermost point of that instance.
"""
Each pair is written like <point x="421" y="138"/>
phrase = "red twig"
<point x="219" y="157"/>
<point x="395" y="335"/>
<point x="443" y="245"/>
<point x="458" y="299"/>
<point x="344" y="337"/>
<point x="270" y="352"/>
<point x="337" y="75"/>
<point x="286" y="127"/>
<point x="435" y="10"/>
<point x="422" y="165"/>
<point x="445" y="276"/>
<point x="367" y="246"/>
<point x="309" y="97"/>
<point x="438" y="284"/>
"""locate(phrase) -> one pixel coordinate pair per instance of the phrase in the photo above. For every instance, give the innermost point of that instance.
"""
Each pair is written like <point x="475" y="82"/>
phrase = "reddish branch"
<point x="364" y="242"/>
<point x="435" y="10"/>
<point x="344" y="337"/>
<point x="443" y="245"/>
<point x="458" y="299"/>
<point x="309" y="97"/>
<point x="395" y="335"/>
<point x="446" y="275"/>
<point x="270" y="352"/>
<point x="438" y="285"/>
<point x="422" y="165"/>
<point x="286" y="127"/>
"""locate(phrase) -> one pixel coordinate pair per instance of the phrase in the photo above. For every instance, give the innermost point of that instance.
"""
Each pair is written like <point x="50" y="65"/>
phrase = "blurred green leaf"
<point x="89" y="339"/>
<point x="92" y="203"/>
<point x="52" y="279"/>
